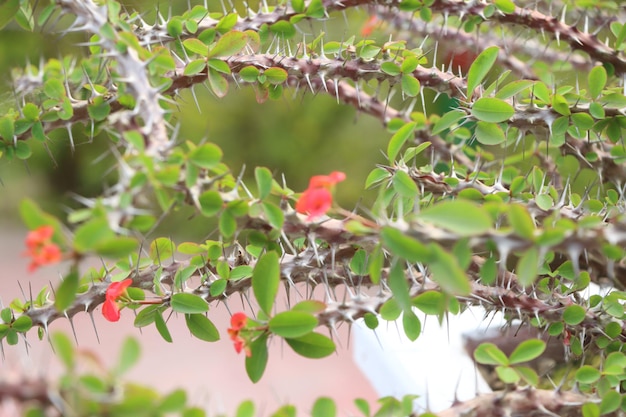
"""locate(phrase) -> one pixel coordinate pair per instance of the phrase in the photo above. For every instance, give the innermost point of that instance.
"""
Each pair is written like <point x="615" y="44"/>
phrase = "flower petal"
<point x="110" y="310"/>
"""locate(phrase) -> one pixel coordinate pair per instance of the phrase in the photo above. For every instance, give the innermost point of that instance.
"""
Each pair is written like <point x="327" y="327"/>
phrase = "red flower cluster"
<point x="40" y="248"/>
<point x="237" y="322"/>
<point x="110" y="309"/>
<point x="317" y="199"/>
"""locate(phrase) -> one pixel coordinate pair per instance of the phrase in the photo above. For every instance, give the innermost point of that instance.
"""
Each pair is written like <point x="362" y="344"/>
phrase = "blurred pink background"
<point x="212" y="373"/>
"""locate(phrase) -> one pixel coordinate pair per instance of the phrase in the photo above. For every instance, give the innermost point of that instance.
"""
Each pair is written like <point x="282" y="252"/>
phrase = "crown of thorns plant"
<point x="511" y="198"/>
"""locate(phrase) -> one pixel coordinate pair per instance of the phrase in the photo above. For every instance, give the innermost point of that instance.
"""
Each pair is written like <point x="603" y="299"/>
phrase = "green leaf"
<point x="263" y="178"/>
<point x="399" y="286"/>
<point x="146" y="316"/>
<point x="596" y="80"/>
<point x="22" y="324"/>
<point x="528" y="267"/>
<point x="404" y="185"/>
<point x="560" y="105"/>
<point x="219" y="84"/>
<point x="490" y="354"/>
<point x="462" y="217"/>
<point x="587" y="374"/>
<point x="507" y="374"/>
<point x="227" y="224"/>
<point x="210" y="203"/>
<point x="493" y="110"/>
<point x="375" y="264"/>
<point x="195" y="67"/>
<point x="358" y="264"/>
<point x="7" y="128"/>
<point x="489" y="133"/>
<point x="202" y="328"/>
<point x="527" y="374"/>
<point x="430" y="302"/>
<point x="574" y="315"/>
<point x="324" y="407"/>
<point x="265" y="281"/>
<point x="505" y="6"/>
<point x="249" y="74"/>
<point x="520" y="220"/>
<point x="66" y="293"/>
<point x="54" y="89"/>
<point x="274" y="214"/>
<point x="390" y="68"/>
<point x="128" y="356"/>
<point x="404" y="246"/>
<point x="161" y="326"/>
<point x="527" y="351"/>
<point x="206" y="156"/>
<point x="245" y="409"/>
<point x="219" y="66"/>
<point x="411" y="324"/>
<point x="188" y="303"/>
<point x="91" y="234"/>
<point x="284" y="29"/>
<point x="8" y="11"/>
<point x="292" y="324"/>
<point x="312" y="345"/>
<point x="410" y="85"/>
<point x="256" y="363"/>
<point x="447" y="273"/>
<point x="447" y="120"/>
<point x="64" y="349"/>
<point x="398" y="139"/>
<point x="173" y="402"/>
<point x="611" y="401"/>
<point x="231" y="43"/>
<point x="161" y="249"/>
<point x="34" y="217"/>
<point x="275" y="75"/>
<point x="480" y="68"/>
<point x="116" y="247"/>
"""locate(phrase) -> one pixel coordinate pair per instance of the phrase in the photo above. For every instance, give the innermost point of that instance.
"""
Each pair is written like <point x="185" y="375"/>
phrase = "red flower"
<point x="237" y="323"/>
<point x="317" y="199"/>
<point x="326" y="181"/>
<point x="314" y="201"/>
<point x="369" y="26"/>
<point x="110" y="309"/>
<point x="41" y="249"/>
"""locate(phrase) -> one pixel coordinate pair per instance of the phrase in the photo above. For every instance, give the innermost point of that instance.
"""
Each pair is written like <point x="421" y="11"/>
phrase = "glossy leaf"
<point x="257" y="362"/>
<point x="263" y="178"/>
<point x="265" y="281"/>
<point x="492" y="110"/>
<point x="129" y="355"/>
<point x="480" y="68"/>
<point x="597" y="78"/>
<point x="447" y="273"/>
<point x="490" y="354"/>
<point x="489" y="133"/>
<point x="324" y="407"/>
<point x="231" y="43"/>
<point x="201" y="327"/>
<point x="404" y="246"/>
<point x="527" y="351"/>
<point x="66" y="292"/>
<point x="574" y="315"/>
<point x="206" y="156"/>
<point x="188" y="303"/>
<point x="312" y="345"/>
<point x="292" y="324"/>
<point x="398" y="140"/>
<point x="528" y="267"/>
<point x="462" y="217"/>
<point x="447" y="120"/>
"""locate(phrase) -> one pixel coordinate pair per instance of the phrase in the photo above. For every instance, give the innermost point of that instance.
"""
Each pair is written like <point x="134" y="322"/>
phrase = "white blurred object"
<point x="435" y="366"/>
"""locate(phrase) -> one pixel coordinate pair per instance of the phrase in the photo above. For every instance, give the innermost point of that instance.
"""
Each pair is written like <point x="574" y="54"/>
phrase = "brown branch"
<point x="523" y="402"/>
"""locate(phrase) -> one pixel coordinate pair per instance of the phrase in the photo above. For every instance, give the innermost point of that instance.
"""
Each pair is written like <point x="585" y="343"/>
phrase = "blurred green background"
<point x="299" y="135"/>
